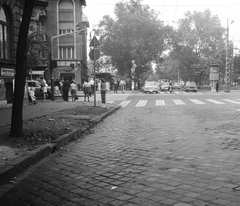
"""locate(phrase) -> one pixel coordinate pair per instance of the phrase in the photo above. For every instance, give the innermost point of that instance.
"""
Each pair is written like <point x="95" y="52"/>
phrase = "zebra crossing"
<point x="178" y="92"/>
<point x="161" y="102"/>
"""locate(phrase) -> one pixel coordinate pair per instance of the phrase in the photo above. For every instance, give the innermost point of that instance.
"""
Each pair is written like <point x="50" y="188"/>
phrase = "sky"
<point x="172" y="10"/>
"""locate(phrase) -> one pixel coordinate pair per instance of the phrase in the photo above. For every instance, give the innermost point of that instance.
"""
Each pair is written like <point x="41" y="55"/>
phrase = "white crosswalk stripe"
<point x="141" y="103"/>
<point x="178" y="102"/>
<point x="231" y="101"/>
<point x="215" y="101"/>
<point x="196" y="101"/>
<point x="124" y="103"/>
<point x="160" y="102"/>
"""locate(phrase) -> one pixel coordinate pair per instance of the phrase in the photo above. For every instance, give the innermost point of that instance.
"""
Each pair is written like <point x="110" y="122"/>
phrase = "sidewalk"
<point x="42" y="108"/>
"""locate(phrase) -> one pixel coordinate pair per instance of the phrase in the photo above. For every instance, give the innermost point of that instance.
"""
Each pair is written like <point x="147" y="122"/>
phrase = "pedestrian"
<point x="99" y="85"/>
<point x="73" y="90"/>
<point x="57" y="87"/>
<point x="122" y="85"/>
<point x="170" y="88"/>
<point x="217" y="86"/>
<point x="132" y="86"/>
<point x="92" y="86"/>
<point x="107" y="86"/>
<point x="31" y="93"/>
<point x="65" y="89"/>
<point x="86" y="89"/>
<point x="103" y="91"/>
<point x="60" y="86"/>
<point x="115" y="86"/>
<point x="43" y="87"/>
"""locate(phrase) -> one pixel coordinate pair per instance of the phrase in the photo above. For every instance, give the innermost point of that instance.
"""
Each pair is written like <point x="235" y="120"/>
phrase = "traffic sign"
<point x="94" y="54"/>
<point x="94" y="42"/>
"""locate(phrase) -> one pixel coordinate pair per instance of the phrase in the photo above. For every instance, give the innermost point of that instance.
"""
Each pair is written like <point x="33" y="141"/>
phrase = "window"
<point x="4" y="35"/>
<point x="65" y="26"/>
<point x="66" y="52"/>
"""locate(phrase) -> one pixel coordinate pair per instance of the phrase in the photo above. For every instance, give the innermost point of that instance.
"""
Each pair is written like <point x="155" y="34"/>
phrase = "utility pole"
<point x="227" y="71"/>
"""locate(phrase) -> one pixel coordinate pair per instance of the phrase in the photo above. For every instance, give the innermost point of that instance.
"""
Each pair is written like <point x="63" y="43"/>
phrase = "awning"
<point x="37" y="72"/>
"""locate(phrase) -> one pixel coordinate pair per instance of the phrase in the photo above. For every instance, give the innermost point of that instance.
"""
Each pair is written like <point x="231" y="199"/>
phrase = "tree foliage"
<point x="135" y="34"/>
<point x="198" y="41"/>
<point x="36" y="44"/>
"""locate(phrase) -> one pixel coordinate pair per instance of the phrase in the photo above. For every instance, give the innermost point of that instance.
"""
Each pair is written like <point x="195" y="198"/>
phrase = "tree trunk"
<point x="17" y="120"/>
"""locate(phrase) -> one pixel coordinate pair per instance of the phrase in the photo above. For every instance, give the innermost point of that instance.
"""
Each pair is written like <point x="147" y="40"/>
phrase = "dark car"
<point x="190" y="86"/>
<point x="37" y="86"/>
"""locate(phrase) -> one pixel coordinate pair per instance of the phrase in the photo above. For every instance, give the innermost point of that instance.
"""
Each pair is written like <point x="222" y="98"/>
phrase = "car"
<point x="190" y="86"/>
<point x="164" y="86"/>
<point x="176" y="85"/>
<point x="37" y="85"/>
<point x="151" y="87"/>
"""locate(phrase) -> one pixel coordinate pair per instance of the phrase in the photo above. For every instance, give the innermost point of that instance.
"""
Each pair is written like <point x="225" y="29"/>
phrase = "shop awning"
<point x="38" y="72"/>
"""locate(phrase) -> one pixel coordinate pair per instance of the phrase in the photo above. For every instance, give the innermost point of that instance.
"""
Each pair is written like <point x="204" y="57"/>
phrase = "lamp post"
<point x="227" y="70"/>
<point x="50" y="56"/>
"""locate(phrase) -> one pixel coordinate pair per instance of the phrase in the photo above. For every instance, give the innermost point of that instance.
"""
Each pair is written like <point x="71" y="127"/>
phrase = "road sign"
<point x="94" y="54"/>
<point x="94" y="42"/>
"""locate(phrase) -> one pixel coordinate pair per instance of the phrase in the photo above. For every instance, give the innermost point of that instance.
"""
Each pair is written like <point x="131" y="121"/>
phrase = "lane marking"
<point x="196" y="101"/>
<point x="231" y="101"/>
<point x="215" y="101"/>
<point x="178" y="102"/>
<point x="124" y="103"/>
<point x="160" y="102"/>
<point x="141" y="103"/>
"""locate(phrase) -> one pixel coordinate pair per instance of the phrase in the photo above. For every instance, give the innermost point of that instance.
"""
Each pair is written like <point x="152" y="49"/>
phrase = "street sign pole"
<point x="94" y="73"/>
<point x="94" y="55"/>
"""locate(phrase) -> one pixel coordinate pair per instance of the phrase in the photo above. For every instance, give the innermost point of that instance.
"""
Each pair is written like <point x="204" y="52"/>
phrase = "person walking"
<point x="103" y="90"/>
<point x="115" y="86"/>
<point x="65" y="89"/>
<point x="86" y="89"/>
<point x="122" y="85"/>
<point x="217" y="86"/>
<point x="73" y="90"/>
<point x="92" y="86"/>
<point x="43" y="87"/>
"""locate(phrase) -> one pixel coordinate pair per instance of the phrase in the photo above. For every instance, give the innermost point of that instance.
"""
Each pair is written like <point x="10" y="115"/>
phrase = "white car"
<point x="151" y="87"/>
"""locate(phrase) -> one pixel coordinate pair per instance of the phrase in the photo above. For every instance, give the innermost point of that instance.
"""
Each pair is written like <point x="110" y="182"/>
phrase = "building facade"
<point x="66" y="29"/>
<point x="10" y="16"/>
<point x="53" y="18"/>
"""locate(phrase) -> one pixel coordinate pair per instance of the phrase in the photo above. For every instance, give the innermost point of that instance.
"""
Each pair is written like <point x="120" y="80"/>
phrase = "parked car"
<point x="176" y="85"/>
<point x="164" y="86"/>
<point x="190" y="86"/>
<point x="38" y="92"/>
<point x="151" y="87"/>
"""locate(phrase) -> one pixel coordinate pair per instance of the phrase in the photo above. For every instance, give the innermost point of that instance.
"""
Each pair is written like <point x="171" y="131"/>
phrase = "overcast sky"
<point x="172" y="10"/>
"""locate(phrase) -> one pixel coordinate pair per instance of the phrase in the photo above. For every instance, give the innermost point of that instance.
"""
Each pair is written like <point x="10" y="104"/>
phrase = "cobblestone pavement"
<point x="173" y="155"/>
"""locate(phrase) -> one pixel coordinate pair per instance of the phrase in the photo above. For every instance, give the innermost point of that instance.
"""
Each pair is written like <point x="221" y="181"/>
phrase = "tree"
<point x="21" y="71"/>
<point x="135" y="34"/>
<point x="198" y="40"/>
<point x="36" y="43"/>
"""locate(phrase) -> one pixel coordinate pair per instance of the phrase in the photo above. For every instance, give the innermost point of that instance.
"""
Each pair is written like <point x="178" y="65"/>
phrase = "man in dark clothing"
<point x="217" y="86"/>
<point x="65" y="89"/>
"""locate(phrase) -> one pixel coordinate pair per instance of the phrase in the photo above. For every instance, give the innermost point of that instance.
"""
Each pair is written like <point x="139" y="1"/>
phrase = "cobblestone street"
<point x="172" y="155"/>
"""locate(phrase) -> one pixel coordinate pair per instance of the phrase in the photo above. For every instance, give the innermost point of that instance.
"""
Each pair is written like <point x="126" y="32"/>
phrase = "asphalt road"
<point x="176" y="149"/>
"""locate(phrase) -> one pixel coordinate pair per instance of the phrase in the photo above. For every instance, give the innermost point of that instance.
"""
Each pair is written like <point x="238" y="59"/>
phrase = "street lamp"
<point x="50" y="56"/>
<point x="227" y="70"/>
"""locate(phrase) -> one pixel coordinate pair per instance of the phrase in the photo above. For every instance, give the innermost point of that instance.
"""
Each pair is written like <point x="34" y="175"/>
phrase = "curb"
<point x="19" y="165"/>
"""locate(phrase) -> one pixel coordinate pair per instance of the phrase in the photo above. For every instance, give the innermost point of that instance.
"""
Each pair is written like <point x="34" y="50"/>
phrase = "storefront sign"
<point x="6" y="72"/>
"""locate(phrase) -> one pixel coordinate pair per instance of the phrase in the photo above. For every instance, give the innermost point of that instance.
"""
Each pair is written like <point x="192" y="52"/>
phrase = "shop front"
<point x="6" y="84"/>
